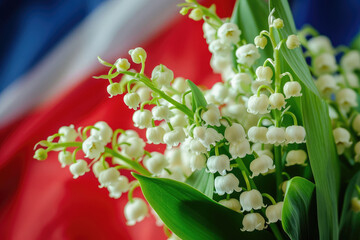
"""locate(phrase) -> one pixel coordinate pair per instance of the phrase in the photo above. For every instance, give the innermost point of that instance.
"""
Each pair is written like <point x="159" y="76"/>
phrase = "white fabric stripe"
<point x="112" y="28"/>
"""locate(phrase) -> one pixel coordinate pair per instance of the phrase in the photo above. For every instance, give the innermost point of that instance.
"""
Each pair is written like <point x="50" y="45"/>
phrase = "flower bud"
<point x="93" y="147"/>
<point x="247" y="54"/>
<point x="68" y="134"/>
<point x="99" y="166"/>
<point x="346" y="98"/>
<point x="235" y="133"/>
<point x="355" y="204"/>
<point x="144" y="93"/>
<point x="277" y="101"/>
<point x="231" y="203"/>
<point x="65" y="158"/>
<point x="197" y="161"/>
<point x="264" y="74"/>
<point x="118" y="187"/>
<point x="275" y="135"/>
<point x="105" y="132"/>
<point x="292" y="42"/>
<point x="184" y="11"/>
<point x="284" y="186"/>
<point x="156" y="163"/>
<point x="180" y="85"/>
<point x="273" y="212"/>
<point x="135" y="211"/>
<point x="324" y="63"/>
<point x="296" y="157"/>
<point x="138" y="55"/>
<point x="79" y="168"/>
<point x="229" y="33"/>
<point x="241" y="82"/>
<point x="342" y="139"/>
<point x="326" y="85"/>
<point x="134" y="147"/>
<point x="351" y="61"/>
<point x="262" y="165"/>
<point x="258" y="105"/>
<point x="196" y="14"/>
<point x="142" y="118"/>
<point x="41" y="154"/>
<point x="155" y="135"/>
<point x="251" y="200"/>
<point x="114" y="89"/>
<point x="292" y="89"/>
<point x="253" y="221"/>
<point x="257" y="134"/>
<point x="212" y="115"/>
<point x="108" y="177"/>
<point x="226" y="184"/>
<point x="320" y="44"/>
<point x="295" y="134"/>
<point x="278" y="23"/>
<point x="122" y="64"/>
<point x="174" y="137"/>
<point x="260" y="41"/>
<point x="219" y="164"/>
<point x="162" y="76"/>
<point x="132" y="100"/>
<point x="239" y="149"/>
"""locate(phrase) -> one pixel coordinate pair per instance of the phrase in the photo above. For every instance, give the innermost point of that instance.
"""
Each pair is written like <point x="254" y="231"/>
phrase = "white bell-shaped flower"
<point x="292" y="42"/>
<point x="174" y="137"/>
<point x="68" y="134"/>
<point x="277" y="101"/>
<point x="162" y="76"/>
<point x="105" y="132"/>
<point x="273" y="212"/>
<point x="155" y="135"/>
<point x="134" y="147"/>
<point x="122" y="64"/>
<point x="264" y="74"/>
<point x="326" y="84"/>
<point x="127" y="135"/>
<point x="99" y="166"/>
<point x="138" y="54"/>
<point x="294" y="157"/>
<point x="258" y="105"/>
<point x="247" y="54"/>
<point x="235" y="133"/>
<point x="356" y="124"/>
<point x="142" y="118"/>
<point x="295" y="134"/>
<point x="132" y="100"/>
<point x="219" y="164"/>
<point x="261" y="165"/>
<point x="156" y="163"/>
<point x="275" y="135"/>
<point x="351" y="61"/>
<point x="257" y="134"/>
<point x="209" y="32"/>
<point x="161" y="113"/>
<point x="220" y="92"/>
<point x="251" y="200"/>
<point x="211" y="137"/>
<point x="239" y="149"/>
<point x="180" y="85"/>
<point x="241" y="82"/>
<point x="108" y="177"/>
<point x="324" y="63"/>
<point x="93" y="147"/>
<point x="292" y="89"/>
<point x="352" y="79"/>
<point x="114" y="89"/>
<point x="229" y="33"/>
<point x="320" y="44"/>
<point x="199" y="132"/>
<point x="346" y="98"/>
<point x="65" y="158"/>
<point x="342" y="139"/>
<point x="197" y="147"/>
<point x="219" y="47"/>
<point x="253" y="221"/>
<point x="231" y="203"/>
<point x="144" y="93"/>
<point x="118" y="187"/>
<point x="260" y="41"/>
<point x="197" y="161"/>
<point x="173" y="156"/>
<point x="179" y="120"/>
<point x="79" y="168"/>
<point x="256" y="84"/>
<point x="135" y="211"/>
<point x="278" y="23"/>
<point x="226" y="184"/>
<point x="212" y="115"/>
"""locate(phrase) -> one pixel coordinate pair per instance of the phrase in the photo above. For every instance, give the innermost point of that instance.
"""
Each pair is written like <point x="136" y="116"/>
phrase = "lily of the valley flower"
<point x="93" y="147"/>
<point x="251" y="200"/>
<point x="227" y="184"/>
<point x="79" y="168"/>
<point x="253" y="221"/>
<point x="135" y="211"/>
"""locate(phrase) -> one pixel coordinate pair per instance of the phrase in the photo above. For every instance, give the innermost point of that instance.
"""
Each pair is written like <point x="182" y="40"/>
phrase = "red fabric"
<point x="40" y="200"/>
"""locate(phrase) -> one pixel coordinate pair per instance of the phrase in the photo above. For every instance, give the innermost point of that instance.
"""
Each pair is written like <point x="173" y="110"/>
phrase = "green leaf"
<point x="350" y="221"/>
<point x="192" y="215"/>
<point x="202" y="181"/>
<point x="355" y="44"/>
<point x="298" y="217"/>
<point x="198" y="99"/>
<point x="320" y="143"/>
<point x="251" y="18"/>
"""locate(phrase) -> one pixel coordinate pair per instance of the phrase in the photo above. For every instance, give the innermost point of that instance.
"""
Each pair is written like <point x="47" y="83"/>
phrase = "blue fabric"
<point x="31" y="28"/>
<point x="337" y="19"/>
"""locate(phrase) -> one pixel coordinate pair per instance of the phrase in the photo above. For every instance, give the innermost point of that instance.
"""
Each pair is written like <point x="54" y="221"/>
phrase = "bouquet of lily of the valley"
<point x="271" y="152"/>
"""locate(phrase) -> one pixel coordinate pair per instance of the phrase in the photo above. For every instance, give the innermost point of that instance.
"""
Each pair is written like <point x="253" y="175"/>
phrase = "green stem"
<point x="291" y="115"/>
<point x="262" y="87"/>
<point x="131" y="191"/>
<point x="268" y="196"/>
<point x="248" y="187"/>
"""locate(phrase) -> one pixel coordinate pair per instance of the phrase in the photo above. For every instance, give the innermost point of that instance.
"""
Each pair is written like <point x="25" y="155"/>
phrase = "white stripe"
<point x="112" y="28"/>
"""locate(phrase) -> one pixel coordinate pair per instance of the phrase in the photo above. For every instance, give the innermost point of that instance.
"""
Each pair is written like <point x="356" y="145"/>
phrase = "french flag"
<point x="48" y="56"/>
